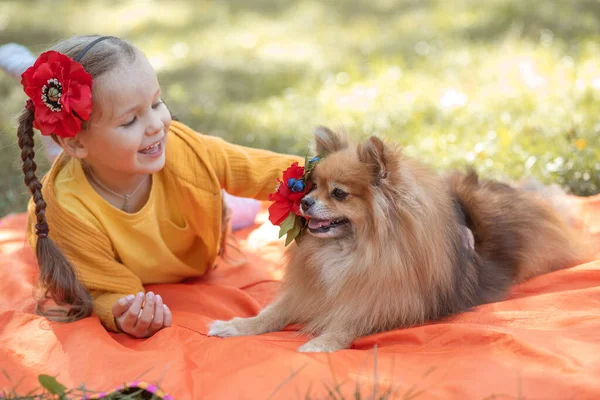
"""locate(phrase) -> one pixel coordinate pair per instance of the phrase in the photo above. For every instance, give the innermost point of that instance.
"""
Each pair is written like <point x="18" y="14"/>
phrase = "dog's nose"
<point x="306" y="203"/>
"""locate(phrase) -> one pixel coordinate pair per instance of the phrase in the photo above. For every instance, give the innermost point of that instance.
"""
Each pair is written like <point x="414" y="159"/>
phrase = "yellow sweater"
<point x="176" y="234"/>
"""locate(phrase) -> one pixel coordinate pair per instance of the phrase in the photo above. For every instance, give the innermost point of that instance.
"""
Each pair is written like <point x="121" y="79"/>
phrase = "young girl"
<point x="134" y="198"/>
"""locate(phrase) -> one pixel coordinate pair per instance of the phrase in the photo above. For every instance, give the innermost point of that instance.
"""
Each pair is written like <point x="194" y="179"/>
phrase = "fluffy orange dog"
<point x="388" y="246"/>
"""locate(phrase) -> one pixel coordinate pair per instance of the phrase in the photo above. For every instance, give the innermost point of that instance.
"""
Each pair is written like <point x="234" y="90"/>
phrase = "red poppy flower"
<point x="287" y="198"/>
<point x="61" y="91"/>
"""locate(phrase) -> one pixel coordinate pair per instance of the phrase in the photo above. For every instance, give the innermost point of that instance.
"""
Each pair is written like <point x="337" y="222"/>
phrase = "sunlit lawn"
<point x="510" y="86"/>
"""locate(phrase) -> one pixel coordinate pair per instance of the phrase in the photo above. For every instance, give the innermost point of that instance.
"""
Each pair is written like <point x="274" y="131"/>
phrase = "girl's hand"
<point x="141" y="321"/>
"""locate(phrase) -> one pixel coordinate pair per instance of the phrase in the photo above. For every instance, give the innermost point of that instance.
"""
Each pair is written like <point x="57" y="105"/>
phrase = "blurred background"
<point x="509" y="86"/>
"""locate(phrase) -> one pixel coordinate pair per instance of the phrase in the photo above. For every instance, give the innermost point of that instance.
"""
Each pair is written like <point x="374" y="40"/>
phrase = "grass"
<point x="52" y="389"/>
<point x="509" y="86"/>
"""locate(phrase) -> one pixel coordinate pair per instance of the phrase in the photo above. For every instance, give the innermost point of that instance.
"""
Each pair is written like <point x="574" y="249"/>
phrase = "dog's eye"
<point x="339" y="194"/>
<point x="312" y="186"/>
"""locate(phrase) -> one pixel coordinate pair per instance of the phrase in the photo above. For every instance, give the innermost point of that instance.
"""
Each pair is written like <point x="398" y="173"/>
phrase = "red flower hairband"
<point x="285" y="211"/>
<point x="60" y="94"/>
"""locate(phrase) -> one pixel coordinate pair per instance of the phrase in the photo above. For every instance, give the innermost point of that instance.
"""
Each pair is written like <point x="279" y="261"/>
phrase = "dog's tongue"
<point x="317" y="223"/>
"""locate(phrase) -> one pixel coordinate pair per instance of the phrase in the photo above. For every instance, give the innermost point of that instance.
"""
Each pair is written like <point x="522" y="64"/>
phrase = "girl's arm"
<point x="96" y="267"/>
<point x="247" y="172"/>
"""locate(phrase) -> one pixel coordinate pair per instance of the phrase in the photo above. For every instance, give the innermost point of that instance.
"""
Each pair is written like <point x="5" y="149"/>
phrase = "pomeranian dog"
<point x="393" y="244"/>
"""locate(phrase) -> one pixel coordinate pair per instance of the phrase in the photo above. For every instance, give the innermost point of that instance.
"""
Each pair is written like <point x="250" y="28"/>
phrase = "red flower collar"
<point x="61" y="93"/>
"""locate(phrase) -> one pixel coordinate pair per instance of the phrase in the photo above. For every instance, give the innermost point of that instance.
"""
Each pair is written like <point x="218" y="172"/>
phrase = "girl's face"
<point x="126" y="134"/>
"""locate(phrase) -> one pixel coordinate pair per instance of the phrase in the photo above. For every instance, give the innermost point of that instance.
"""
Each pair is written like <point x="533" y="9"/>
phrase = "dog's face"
<point x="336" y="200"/>
<point x="341" y="188"/>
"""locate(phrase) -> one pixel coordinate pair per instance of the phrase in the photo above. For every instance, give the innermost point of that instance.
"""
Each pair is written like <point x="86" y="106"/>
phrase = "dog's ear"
<point x="372" y="153"/>
<point x="327" y="141"/>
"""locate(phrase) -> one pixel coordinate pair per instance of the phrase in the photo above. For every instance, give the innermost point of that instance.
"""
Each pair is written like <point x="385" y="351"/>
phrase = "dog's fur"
<point x="402" y="258"/>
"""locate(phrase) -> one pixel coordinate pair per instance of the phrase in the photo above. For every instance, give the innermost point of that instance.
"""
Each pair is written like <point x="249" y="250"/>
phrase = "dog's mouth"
<point x="325" y="225"/>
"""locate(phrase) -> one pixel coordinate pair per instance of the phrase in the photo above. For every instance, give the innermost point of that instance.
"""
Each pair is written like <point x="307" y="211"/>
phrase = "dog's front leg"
<point x="330" y="341"/>
<point x="272" y="318"/>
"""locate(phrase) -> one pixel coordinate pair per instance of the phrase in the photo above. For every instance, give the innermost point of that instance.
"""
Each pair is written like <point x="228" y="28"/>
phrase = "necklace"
<point x="125" y="197"/>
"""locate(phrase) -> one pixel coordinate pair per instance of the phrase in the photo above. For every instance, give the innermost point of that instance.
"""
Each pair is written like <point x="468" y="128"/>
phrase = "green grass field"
<point x="509" y="86"/>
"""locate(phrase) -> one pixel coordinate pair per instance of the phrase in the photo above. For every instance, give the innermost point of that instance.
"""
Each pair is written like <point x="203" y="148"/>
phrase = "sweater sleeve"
<point x="104" y="277"/>
<point x="103" y="302"/>
<point x="247" y="172"/>
<point x="90" y="252"/>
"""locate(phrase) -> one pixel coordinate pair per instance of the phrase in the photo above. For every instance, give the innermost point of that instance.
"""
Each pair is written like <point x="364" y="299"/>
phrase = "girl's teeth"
<point x="150" y="149"/>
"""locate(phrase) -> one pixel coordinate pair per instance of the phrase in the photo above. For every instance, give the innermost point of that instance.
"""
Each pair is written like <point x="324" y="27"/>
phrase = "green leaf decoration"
<point x="309" y="166"/>
<point x="295" y="231"/>
<point x="287" y="224"/>
<point x="302" y="229"/>
<point x="52" y="385"/>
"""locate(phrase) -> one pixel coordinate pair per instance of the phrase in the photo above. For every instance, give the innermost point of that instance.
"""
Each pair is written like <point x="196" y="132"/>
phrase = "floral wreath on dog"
<point x="285" y="210"/>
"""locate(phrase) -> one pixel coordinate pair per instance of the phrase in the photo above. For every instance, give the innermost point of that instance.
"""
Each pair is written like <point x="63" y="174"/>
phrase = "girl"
<point x="134" y="198"/>
<point x="16" y="58"/>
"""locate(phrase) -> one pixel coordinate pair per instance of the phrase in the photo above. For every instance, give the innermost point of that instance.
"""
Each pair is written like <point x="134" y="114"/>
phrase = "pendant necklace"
<point x="125" y="197"/>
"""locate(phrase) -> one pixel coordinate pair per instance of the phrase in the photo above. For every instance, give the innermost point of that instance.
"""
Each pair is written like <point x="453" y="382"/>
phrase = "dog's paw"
<point x="224" y="329"/>
<point x="319" y="345"/>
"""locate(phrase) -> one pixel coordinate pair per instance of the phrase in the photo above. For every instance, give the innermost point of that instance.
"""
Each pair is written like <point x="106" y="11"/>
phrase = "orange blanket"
<point x="541" y="343"/>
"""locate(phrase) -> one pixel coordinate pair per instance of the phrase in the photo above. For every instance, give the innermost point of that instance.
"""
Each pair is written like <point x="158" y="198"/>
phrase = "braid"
<point x="57" y="274"/>
<point x="25" y="135"/>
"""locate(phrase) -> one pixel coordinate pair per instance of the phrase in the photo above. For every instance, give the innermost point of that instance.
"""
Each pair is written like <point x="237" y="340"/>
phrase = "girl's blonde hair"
<point x="57" y="275"/>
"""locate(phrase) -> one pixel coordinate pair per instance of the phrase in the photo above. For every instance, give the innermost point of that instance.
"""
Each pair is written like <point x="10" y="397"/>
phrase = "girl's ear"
<point x="74" y="146"/>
